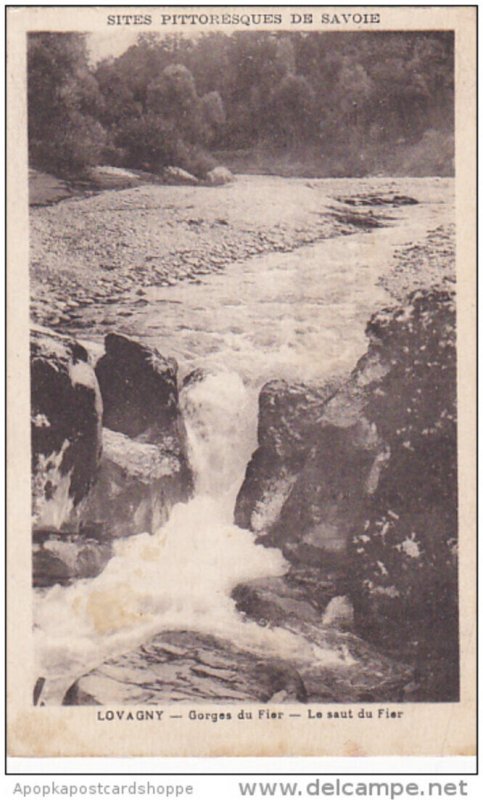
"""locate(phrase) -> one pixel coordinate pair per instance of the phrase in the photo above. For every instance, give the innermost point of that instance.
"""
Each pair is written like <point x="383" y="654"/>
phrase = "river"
<point x="300" y="316"/>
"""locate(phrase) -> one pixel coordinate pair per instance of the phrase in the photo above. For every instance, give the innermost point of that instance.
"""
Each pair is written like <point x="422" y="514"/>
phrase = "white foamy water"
<point x="182" y="576"/>
<point x="299" y="316"/>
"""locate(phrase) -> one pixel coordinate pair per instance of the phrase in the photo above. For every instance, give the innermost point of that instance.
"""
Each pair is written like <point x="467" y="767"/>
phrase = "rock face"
<point x="404" y="584"/>
<point x="186" y="666"/>
<point x="316" y="458"/>
<point x="66" y="411"/>
<point x="360" y="484"/>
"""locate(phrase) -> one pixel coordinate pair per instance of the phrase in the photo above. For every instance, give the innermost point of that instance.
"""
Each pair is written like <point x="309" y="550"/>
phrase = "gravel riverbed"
<point x="105" y="249"/>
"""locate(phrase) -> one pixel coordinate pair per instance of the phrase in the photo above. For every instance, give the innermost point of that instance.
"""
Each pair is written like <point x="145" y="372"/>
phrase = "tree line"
<point x="176" y="100"/>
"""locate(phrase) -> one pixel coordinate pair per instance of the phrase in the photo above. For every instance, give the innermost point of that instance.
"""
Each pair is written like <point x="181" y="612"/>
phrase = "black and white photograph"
<point x="243" y="368"/>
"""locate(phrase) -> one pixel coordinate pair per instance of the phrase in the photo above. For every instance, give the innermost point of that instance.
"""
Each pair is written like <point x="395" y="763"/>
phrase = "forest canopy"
<point x="344" y="103"/>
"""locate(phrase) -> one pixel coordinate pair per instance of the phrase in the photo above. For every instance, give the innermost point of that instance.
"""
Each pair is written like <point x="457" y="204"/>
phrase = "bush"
<point x="70" y="148"/>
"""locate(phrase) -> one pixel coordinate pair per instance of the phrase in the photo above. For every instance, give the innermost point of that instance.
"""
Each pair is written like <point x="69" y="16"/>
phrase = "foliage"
<point x="348" y="97"/>
<point x="64" y="104"/>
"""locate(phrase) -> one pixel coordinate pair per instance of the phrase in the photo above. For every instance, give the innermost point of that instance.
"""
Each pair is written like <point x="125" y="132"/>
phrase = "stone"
<point x="287" y="419"/>
<point x="62" y="558"/>
<point x="66" y="410"/>
<point x="404" y="553"/>
<point x="176" y="176"/>
<point x="186" y="666"/>
<point x="366" y="487"/>
<point x="191" y="667"/>
<point x="316" y="457"/>
<point x="137" y="486"/>
<point x="139" y="389"/>
<point x="218" y="176"/>
<point x="274" y="601"/>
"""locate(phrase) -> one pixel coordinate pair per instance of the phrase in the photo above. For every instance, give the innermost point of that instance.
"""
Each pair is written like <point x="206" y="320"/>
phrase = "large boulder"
<point x="66" y="411"/>
<point x="144" y="468"/>
<point x="326" y="665"/>
<point x="139" y="389"/>
<point x="371" y="499"/>
<point x="190" y="667"/>
<point x="404" y="564"/>
<point x="288" y="416"/>
<point x="137" y="485"/>
<point x="317" y="459"/>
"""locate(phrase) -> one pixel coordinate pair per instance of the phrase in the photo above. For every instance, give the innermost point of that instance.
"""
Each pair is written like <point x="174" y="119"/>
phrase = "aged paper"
<point x="240" y="243"/>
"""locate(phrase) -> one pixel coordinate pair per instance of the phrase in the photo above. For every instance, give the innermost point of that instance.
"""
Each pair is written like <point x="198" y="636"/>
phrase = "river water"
<point x="299" y="316"/>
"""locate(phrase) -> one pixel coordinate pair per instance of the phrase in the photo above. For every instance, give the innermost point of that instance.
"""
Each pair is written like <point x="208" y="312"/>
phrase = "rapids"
<point x="299" y="316"/>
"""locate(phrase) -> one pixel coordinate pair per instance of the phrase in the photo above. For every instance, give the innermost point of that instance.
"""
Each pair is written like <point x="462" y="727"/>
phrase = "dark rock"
<point x="404" y="580"/>
<point x="316" y="460"/>
<point x="371" y="498"/>
<point x="317" y="518"/>
<point x="66" y="411"/>
<point x="60" y="559"/>
<point x="287" y="420"/>
<point x="139" y="389"/>
<point x="137" y="485"/>
<point x="144" y="470"/>
<point x="274" y="601"/>
<point x="379" y="200"/>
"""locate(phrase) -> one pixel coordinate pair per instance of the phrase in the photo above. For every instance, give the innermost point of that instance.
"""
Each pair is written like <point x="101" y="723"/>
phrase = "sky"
<point x="102" y="45"/>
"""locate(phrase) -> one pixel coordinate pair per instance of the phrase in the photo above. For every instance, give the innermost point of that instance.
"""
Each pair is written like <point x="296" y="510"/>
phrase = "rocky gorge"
<point x="341" y="584"/>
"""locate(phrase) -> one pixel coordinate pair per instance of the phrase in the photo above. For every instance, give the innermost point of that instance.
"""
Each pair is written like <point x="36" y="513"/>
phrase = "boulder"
<point x="371" y="497"/>
<point x="288" y="416"/>
<point x="144" y="469"/>
<point x="218" y="176"/>
<point x="62" y="558"/>
<point x="66" y="409"/>
<point x="188" y="667"/>
<point x="274" y="601"/>
<point x="191" y="667"/>
<point x="176" y="176"/>
<point x="139" y="390"/>
<point x="317" y="458"/>
<point x="138" y="484"/>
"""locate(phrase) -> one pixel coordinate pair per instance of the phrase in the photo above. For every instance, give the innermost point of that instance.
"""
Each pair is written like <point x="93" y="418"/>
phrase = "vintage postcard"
<point x="241" y="359"/>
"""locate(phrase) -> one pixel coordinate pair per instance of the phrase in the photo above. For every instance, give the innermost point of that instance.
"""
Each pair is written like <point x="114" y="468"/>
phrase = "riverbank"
<point x="107" y="249"/>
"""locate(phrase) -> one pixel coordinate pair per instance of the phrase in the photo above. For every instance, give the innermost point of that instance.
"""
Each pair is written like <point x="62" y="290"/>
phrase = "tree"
<point x="64" y="103"/>
<point x="292" y="109"/>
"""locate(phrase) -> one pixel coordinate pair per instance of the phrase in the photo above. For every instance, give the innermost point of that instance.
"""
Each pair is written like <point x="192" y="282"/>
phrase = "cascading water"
<point x="182" y="576"/>
<point x="302" y="317"/>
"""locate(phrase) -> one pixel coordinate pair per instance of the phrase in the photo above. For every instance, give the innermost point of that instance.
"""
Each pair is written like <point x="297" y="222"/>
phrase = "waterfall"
<point x="180" y="577"/>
